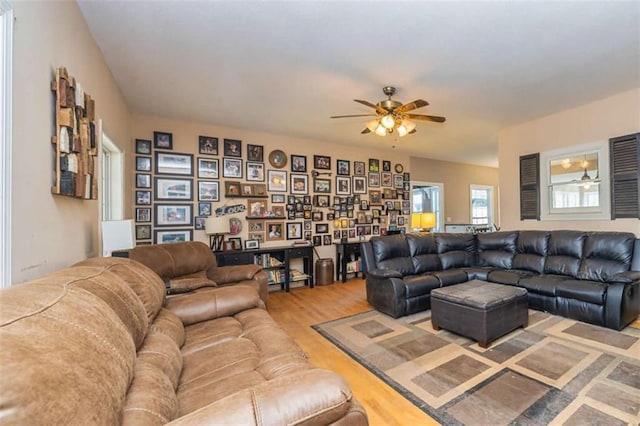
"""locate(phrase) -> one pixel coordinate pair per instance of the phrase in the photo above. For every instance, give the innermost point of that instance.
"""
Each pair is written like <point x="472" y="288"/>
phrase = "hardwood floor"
<point x="301" y="308"/>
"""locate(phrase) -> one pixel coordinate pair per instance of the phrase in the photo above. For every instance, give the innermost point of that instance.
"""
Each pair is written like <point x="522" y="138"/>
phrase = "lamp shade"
<point x="216" y="225"/>
<point x="423" y="220"/>
<point x="116" y="235"/>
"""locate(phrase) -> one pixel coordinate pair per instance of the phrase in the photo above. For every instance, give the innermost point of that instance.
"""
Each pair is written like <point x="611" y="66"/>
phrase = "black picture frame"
<point x="173" y="163"/>
<point x="294" y="230"/>
<point x="162" y="140"/>
<point x="208" y="190"/>
<point x="143" y="198"/>
<point x="359" y="168"/>
<point x="322" y="186"/>
<point x="172" y="189"/>
<point x="322" y="162"/>
<point x="143" y="214"/>
<point x="207" y="145"/>
<point x="143" y="232"/>
<point x="343" y="167"/>
<point x="255" y="153"/>
<point x="374" y="165"/>
<point x="208" y="168"/>
<point x="232" y="168"/>
<point x="143" y="180"/>
<point x="299" y="163"/>
<point x="167" y="236"/>
<point x="172" y="215"/>
<point x="143" y="164"/>
<point x="143" y="146"/>
<point x="204" y="208"/>
<point x="233" y="148"/>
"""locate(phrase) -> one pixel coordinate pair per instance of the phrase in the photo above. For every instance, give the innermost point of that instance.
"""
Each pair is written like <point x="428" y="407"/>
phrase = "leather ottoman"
<point x="479" y="310"/>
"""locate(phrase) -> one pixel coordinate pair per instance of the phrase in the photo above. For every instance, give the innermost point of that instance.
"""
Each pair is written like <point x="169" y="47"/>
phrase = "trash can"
<point x="324" y="271"/>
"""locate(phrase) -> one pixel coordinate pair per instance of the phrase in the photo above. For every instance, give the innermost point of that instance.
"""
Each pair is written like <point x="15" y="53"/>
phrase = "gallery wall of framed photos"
<point x="282" y="190"/>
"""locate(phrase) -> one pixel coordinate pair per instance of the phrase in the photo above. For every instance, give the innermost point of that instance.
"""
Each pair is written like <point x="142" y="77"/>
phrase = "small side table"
<point x="343" y="254"/>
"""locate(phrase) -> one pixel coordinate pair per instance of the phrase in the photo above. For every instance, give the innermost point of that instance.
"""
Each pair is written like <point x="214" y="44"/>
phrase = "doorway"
<point x="429" y="197"/>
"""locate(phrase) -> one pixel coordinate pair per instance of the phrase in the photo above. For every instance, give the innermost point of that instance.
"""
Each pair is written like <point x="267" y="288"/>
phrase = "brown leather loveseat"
<point x="100" y="343"/>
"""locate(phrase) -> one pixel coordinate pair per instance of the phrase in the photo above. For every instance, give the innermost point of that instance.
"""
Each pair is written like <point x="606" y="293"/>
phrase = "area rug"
<point x="556" y="371"/>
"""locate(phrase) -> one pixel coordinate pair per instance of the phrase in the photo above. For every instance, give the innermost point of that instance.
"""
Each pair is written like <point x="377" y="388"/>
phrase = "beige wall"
<point x="50" y="232"/>
<point x="597" y="121"/>
<point x="457" y="178"/>
<point x="185" y="140"/>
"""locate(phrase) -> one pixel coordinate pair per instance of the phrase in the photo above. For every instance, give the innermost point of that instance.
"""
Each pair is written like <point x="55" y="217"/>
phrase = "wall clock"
<point x="278" y="158"/>
<point x="399" y="168"/>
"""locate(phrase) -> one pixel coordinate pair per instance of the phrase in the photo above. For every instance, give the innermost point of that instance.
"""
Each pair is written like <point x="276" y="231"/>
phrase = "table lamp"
<point x="423" y="221"/>
<point x="215" y="228"/>
<point x="116" y="235"/>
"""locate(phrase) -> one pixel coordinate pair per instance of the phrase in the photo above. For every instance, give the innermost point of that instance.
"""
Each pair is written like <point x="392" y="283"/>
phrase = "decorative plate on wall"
<point x="278" y="158"/>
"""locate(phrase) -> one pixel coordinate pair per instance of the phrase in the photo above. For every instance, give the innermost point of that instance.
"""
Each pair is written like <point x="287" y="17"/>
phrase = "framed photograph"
<point x="143" y="146"/>
<point x="274" y="231"/>
<point x="143" y="198"/>
<point x="322" y="228"/>
<point x="143" y="232"/>
<point x="170" y="163"/>
<point x="359" y="168"/>
<point x="207" y="145"/>
<point x="321" y="162"/>
<point x="385" y="180"/>
<point x="257" y="208"/>
<point x="232" y="148"/>
<point x="277" y="211"/>
<point x="204" y="209"/>
<point x="374" y="180"/>
<point x="198" y="223"/>
<point x="143" y="164"/>
<point x="397" y="181"/>
<point x="259" y="189"/>
<point x="299" y="163"/>
<point x="326" y="240"/>
<point x="343" y="167"/>
<point x="374" y="165"/>
<point x="247" y="189"/>
<point x="359" y="185"/>
<point x="256" y="226"/>
<point x="321" y="200"/>
<point x="317" y="240"/>
<point x="208" y="168"/>
<point x="255" y="153"/>
<point x="231" y="189"/>
<point x="317" y="216"/>
<point x="277" y="198"/>
<point x="143" y="180"/>
<point x="294" y="231"/>
<point x="232" y="168"/>
<point x="251" y="244"/>
<point x="299" y="184"/>
<point x="277" y="180"/>
<point x="375" y="197"/>
<point x="255" y="171"/>
<point x="322" y="186"/>
<point x="167" y="236"/>
<point x="208" y="191"/>
<point x="173" y="215"/>
<point x="162" y="140"/>
<point x="343" y="185"/>
<point x="143" y="214"/>
<point x="386" y="166"/>
<point x="237" y="243"/>
<point x="258" y="236"/>
<point x="173" y="189"/>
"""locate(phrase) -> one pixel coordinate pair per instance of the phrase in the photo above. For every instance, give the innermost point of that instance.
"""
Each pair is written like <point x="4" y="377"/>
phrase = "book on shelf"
<point x="266" y="261"/>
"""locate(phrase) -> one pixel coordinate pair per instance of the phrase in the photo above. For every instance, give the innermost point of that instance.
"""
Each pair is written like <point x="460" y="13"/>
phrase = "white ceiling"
<point x="285" y="67"/>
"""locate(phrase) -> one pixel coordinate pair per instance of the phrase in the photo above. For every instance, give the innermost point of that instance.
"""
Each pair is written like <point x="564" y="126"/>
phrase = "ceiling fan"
<point x="393" y="116"/>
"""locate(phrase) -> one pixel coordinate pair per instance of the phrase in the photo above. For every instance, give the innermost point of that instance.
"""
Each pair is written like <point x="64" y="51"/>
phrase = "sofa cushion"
<point x="451" y="276"/>
<point x="531" y="249"/>
<point x="392" y="252"/>
<point x="151" y="399"/>
<point x="584" y="290"/>
<point x="424" y="252"/>
<point x="497" y="249"/>
<point x="565" y="252"/>
<point x="542" y="284"/>
<point x="605" y="255"/>
<point x="175" y="260"/>
<point x="511" y="277"/>
<point x="168" y="323"/>
<point x="416" y="285"/>
<point x="456" y="250"/>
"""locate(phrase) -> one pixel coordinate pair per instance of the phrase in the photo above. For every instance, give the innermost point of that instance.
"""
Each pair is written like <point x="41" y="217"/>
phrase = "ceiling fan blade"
<point x="354" y="115"/>
<point x="418" y="103"/>
<point x="426" y="118"/>
<point x="365" y="131"/>
<point x="379" y="109"/>
<point x="412" y="132"/>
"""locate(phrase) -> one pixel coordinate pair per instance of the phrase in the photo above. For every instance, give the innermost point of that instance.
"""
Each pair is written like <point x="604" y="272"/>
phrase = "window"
<point x="482" y="205"/>
<point x="111" y="184"/>
<point x="6" y="43"/>
<point x="428" y="197"/>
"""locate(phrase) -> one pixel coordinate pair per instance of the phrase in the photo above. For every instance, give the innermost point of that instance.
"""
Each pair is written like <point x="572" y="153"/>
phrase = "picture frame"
<point x="277" y="180"/>
<point x="143" y="164"/>
<point x="168" y="236"/>
<point x="208" y="168"/>
<point x="162" y="140"/>
<point x="143" y="146"/>
<point x="143" y="198"/>
<point x="317" y="216"/>
<point x="321" y="200"/>
<point x="343" y="167"/>
<point x="359" y="168"/>
<point x="299" y="163"/>
<point x="375" y="197"/>
<point x="232" y="148"/>
<point x="294" y="231"/>
<point x="322" y="228"/>
<point x="397" y="181"/>
<point x="255" y="153"/>
<point x="374" y="180"/>
<point x="232" y="168"/>
<point x="208" y="145"/>
<point x="277" y="158"/>
<point x="258" y="236"/>
<point x="208" y="190"/>
<point x="322" y="162"/>
<point x="143" y="232"/>
<point x="255" y="171"/>
<point x="277" y="211"/>
<point x="326" y="240"/>
<point x="237" y="242"/>
<point x="257" y="208"/>
<point x="274" y="231"/>
<point x="343" y="185"/>
<point x="374" y="165"/>
<point x="259" y="189"/>
<point x="204" y="209"/>
<point x="173" y="215"/>
<point x="143" y="180"/>
<point x="277" y="198"/>
<point x="359" y="185"/>
<point x="143" y="214"/>
<point x="386" y="165"/>
<point x="256" y="226"/>
<point x="247" y="189"/>
<point x="317" y="240"/>
<point x="386" y="180"/>
<point x="171" y="163"/>
<point x="299" y="184"/>
<point x="173" y="189"/>
<point x="231" y="189"/>
<point x="251" y="244"/>
<point x="322" y="186"/>
<point x="198" y="223"/>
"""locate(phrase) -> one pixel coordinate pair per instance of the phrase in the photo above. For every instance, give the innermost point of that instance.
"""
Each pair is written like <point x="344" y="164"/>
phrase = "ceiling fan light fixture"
<point x="380" y="130"/>
<point x="372" y="125"/>
<point x="388" y="121"/>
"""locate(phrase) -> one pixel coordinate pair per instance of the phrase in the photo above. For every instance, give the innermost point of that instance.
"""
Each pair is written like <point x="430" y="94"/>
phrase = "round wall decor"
<point x="278" y="158"/>
<point x="399" y="168"/>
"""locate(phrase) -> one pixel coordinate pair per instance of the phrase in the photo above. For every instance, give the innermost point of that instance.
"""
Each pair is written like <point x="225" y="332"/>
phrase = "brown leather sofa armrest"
<point x="231" y="274"/>
<point x="310" y="397"/>
<point x="210" y="303"/>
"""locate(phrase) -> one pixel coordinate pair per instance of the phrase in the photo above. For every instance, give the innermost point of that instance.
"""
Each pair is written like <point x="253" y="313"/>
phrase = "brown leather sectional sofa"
<point x="101" y="343"/>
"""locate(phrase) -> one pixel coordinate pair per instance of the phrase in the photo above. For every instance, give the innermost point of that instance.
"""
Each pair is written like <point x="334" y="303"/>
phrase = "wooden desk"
<point x="343" y="255"/>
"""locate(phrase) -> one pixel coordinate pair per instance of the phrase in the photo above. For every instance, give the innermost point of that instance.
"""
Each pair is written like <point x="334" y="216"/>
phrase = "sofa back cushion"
<point x="497" y="249"/>
<point x="606" y="254"/>
<point x="456" y="250"/>
<point x="531" y="250"/>
<point x="565" y="252"/>
<point x="392" y="252"/>
<point x="424" y="252"/>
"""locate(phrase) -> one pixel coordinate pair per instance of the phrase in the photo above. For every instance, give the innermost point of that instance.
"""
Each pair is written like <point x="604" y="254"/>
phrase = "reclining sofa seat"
<point x="588" y="276"/>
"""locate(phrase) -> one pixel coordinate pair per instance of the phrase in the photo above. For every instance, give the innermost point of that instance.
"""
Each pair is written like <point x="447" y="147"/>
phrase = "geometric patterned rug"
<point x="556" y="371"/>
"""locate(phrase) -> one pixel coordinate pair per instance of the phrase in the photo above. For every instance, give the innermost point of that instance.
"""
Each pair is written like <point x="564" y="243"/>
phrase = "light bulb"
<point x="380" y="130"/>
<point x="402" y="131"/>
<point x="388" y="121"/>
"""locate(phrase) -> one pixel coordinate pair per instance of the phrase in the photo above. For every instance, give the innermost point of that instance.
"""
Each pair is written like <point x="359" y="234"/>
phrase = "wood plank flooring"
<point x="301" y="308"/>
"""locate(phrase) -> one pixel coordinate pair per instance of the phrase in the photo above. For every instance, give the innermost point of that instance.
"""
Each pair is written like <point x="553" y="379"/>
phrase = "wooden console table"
<point x="343" y="254"/>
